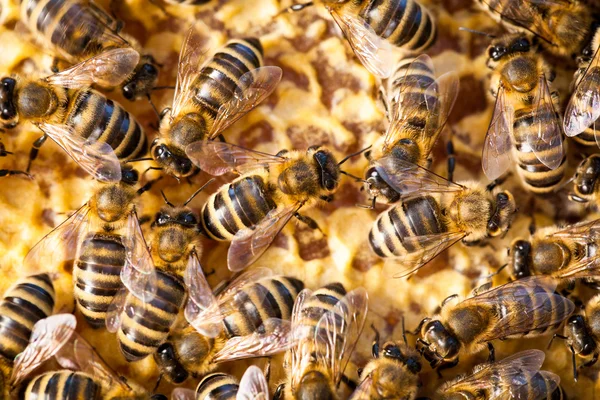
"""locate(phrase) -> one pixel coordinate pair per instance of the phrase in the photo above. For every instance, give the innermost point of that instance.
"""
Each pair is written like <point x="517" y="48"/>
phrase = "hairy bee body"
<point x="63" y="385"/>
<point x="217" y="386"/>
<point x="29" y="301"/>
<point x="585" y="188"/>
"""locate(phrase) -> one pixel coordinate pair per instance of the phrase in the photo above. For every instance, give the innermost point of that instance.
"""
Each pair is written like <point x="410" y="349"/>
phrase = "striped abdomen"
<point x="144" y="327"/>
<point x="77" y="29"/>
<point x="29" y="301"/>
<point x="96" y="274"/>
<point x="217" y="386"/>
<point x="541" y="385"/>
<point x="241" y="204"/>
<point x="415" y="217"/>
<point x="255" y="303"/>
<point x="535" y="176"/>
<point x="97" y="118"/>
<point x="63" y="385"/>
<point x="404" y="23"/>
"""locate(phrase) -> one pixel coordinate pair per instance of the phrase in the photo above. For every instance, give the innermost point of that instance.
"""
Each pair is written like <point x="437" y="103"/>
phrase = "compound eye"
<point x="521" y="45"/>
<point x="330" y="184"/>
<point x="150" y="69"/>
<point x="162" y="218"/>
<point x="189" y="219"/>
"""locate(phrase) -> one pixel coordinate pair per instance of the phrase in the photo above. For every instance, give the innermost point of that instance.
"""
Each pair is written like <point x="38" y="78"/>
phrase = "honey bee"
<point x="86" y="375"/>
<point x="209" y="97"/>
<point x="375" y="30"/>
<point x="76" y="30"/>
<point x="250" y="211"/>
<point x="392" y="374"/>
<point x="525" y="127"/>
<point x="515" y="377"/>
<point x="326" y="325"/>
<point x="418" y="107"/>
<point x="142" y="317"/>
<point x="420" y="227"/>
<point x="94" y="131"/>
<point x="249" y="318"/>
<point x="584" y="182"/>
<point x="105" y="240"/>
<point x="524" y="308"/>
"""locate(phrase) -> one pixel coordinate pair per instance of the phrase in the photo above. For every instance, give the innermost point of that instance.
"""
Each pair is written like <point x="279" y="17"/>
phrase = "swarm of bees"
<point x="152" y="254"/>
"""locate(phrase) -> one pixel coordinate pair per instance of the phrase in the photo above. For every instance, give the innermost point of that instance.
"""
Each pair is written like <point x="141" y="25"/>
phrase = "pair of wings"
<point x="62" y="244"/>
<point x="253" y="386"/>
<point x="528" y="299"/>
<point x="205" y="312"/>
<point x="252" y="88"/>
<point x="331" y="341"/>
<point x="544" y="138"/>
<point x="508" y="379"/>
<point x="55" y="336"/>
<point x="107" y="69"/>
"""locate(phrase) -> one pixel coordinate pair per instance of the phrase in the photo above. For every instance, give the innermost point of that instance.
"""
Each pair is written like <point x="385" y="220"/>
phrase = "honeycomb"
<point x="325" y="97"/>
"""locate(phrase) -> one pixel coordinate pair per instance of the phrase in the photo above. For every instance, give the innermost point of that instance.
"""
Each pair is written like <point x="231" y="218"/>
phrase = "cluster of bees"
<point x="154" y="294"/>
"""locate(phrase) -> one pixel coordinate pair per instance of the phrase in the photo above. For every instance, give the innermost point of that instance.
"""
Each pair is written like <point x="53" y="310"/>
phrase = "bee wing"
<point x="429" y="246"/>
<point x="191" y="59"/>
<point x="583" y="108"/>
<point x="273" y="337"/>
<point x="587" y="267"/>
<point x="253" y="87"/>
<point x="218" y="158"/>
<point x="96" y="158"/>
<point x="533" y="389"/>
<point x="108" y="69"/>
<point x="242" y="280"/>
<point x="586" y="231"/>
<point x="300" y="353"/>
<point x="253" y="385"/>
<point x="201" y="310"/>
<point x="375" y="53"/>
<point x="183" y="394"/>
<point x="531" y="298"/>
<point x="48" y="336"/>
<point x="60" y="244"/>
<point x="497" y="147"/>
<point x="407" y="178"/>
<point x="138" y="273"/>
<point x="249" y="244"/>
<point x="363" y="391"/>
<point x="338" y="331"/>
<point x="115" y="311"/>
<point x="547" y="145"/>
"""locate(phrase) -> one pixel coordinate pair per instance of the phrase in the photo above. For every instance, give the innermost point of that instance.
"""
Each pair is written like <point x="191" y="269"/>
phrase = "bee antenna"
<point x="163" y="88"/>
<point x="139" y="159"/>
<point x="349" y="156"/>
<point x="167" y="202"/>
<point x="565" y="183"/>
<point x="153" y="106"/>
<point x="462" y="28"/>
<point x="198" y="191"/>
<point x="294" y="8"/>
<point x="157" y="383"/>
<point x="358" y="179"/>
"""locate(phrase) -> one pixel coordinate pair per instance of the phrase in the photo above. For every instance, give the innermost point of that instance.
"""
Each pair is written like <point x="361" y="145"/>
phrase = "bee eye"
<point x="150" y="69"/>
<point x="330" y="184"/>
<point x="189" y="219"/>
<point x="522" y="45"/>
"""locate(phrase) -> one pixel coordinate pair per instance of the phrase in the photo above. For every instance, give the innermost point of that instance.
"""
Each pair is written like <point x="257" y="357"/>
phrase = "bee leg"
<point x="222" y="138"/>
<point x="9" y="172"/>
<point x="446" y="365"/>
<point x="369" y="206"/>
<point x="556" y="335"/>
<point x="492" y="356"/>
<point x="151" y="169"/>
<point x="157" y="383"/>
<point x="375" y="348"/>
<point x="312" y="224"/>
<point x="278" y="395"/>
<point x="35" y="147"/>
<point x="349" y="382"/>
<point x="267" y="371"/>
<point x="451" y="160"/>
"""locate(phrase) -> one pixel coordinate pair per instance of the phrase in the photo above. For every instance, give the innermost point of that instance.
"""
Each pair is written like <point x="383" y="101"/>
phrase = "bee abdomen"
<point x="63" y="385"/>
<point x="217" y="386"/>
<point x="29" y="301"/>
<point x="145" y="326"/>
<point x="267" y="298"/>
<point x="97" y="275"/>
<point x="219" y="79"/>
<point x="98" y="119"/>
<point x="242" y="204"/>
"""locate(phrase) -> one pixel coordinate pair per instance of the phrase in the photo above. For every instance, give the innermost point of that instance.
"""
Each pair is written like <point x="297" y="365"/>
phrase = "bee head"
<point x="143" y="80"/>
<point x="502" y="215"/>
<point x="8" y="110"/>
<point x="377" y="186"/>
<point x="168" y="363"/>
<point x="412" y="361"/>
<point x="174" y="164"/>
<point x="578" y="333"/>
<point x="585" y="178"/>
<point x="315" y="386"/>
<point x="442" y="344"/>
<point x="520" y="260"/>
<point x="327" y="167"/>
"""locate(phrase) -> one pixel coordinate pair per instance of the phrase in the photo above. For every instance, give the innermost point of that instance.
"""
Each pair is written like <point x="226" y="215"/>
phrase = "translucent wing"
<point x="48" y="336"/>
<point x="338" y="331"/>
<point x="249" y="244"/>
<point x="253" y="87"/>
<point x="218" y="158"/>
<point x="272" y="338"/>
<point x="375" y="53"/>
<point x="547" y="145"/>
<point x="253" y="385"/>
<point x="60" y="244"/>
<point x="96" y="158"/>
<point x="301" y="352"/>
<point x="191" y="59"/>
<point x="115" y="311"/>
<point x="429" y="247"/>
<point x="587" y="267"/>
<point x="138" y="273"/>
<point x="529" y="299"/>
<point x="584" y="105"/>
<point x="363" y="391"/>
<point x="201" y="310"/>
<point x="183" y="394"/>
<point x="540" y="387"/>
<point x="108" y="69"/>
<point x="586" y="231"/>
<point x="497" y="148"/>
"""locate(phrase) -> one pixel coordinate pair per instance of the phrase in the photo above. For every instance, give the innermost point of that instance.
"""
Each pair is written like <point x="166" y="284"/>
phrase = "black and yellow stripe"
<point x="63" y="385"/>
<point x="414" y="217"/>
<point x="539" y="385"/>
<point x="217" y="386"/>
<point x="242" y="204"/>
<point x="96" y="274"/>
<point x="29" y="301"/>
<point x="145" y="326"/>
